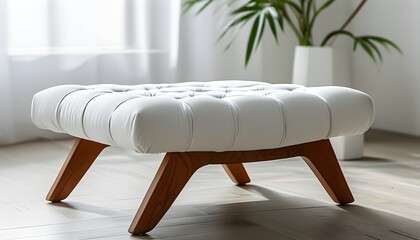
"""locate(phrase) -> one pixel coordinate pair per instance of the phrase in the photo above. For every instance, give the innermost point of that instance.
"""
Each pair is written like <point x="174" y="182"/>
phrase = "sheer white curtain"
<point x="44" y="43"/>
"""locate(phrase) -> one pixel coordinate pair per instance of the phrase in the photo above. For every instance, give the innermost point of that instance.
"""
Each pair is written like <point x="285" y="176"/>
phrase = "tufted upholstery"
<point x="196" y="116"/>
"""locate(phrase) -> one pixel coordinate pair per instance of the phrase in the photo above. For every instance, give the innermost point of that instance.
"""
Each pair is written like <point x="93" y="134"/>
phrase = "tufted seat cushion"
<point x="197" y="116"/>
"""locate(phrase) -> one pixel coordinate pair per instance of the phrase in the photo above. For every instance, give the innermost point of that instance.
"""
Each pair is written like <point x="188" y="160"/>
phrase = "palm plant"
<point x="299" y="15"/>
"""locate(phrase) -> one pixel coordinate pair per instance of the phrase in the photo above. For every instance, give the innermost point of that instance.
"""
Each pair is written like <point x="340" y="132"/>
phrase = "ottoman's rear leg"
<point x="80" y="158"/>
<point x="237" y="173"/>
<point x="321" y="159"/>
<point x="173" y="174"/>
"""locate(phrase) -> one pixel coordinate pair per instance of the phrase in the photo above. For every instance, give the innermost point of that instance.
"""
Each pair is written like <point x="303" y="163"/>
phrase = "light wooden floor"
<point x="284" y="200"/>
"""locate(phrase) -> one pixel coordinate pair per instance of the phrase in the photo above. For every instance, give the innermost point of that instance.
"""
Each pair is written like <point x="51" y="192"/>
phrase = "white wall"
<point x="395" y="84"/>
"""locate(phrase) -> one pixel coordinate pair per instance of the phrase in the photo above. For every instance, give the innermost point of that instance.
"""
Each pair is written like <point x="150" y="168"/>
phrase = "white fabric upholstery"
<point x="197" y="116"/>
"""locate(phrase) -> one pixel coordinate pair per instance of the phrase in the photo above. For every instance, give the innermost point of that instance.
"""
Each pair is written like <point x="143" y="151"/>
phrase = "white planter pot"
<point x="321" y="66"/>
<point x="326" y="66"/>
<point x="348" y="147"/>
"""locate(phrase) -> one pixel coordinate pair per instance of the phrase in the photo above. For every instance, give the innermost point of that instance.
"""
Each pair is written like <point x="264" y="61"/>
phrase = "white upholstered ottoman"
<point x="222" y="122"/>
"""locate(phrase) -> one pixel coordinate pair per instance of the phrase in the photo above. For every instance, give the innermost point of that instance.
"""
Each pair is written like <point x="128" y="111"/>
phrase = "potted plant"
<point x="315" y="63"/>
<point x="299" y="15"/>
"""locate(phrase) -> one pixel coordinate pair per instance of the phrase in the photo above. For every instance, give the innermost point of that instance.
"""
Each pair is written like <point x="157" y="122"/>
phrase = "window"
<point x="90" y="26"/>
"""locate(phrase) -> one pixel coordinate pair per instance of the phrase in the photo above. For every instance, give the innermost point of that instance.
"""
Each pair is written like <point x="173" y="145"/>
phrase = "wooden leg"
<point x="321" y="159"/>
<point x="80" y="158"/>
<point x="237" y="173"/>
<point x="173" y="174"/>
<point x="177" y="168"/>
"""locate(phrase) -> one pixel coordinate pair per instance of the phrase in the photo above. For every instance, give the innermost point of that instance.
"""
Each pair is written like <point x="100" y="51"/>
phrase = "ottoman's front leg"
<point x="80" y="158"/>
<point x="173" y="174"/>
<point x="321" y="158"/>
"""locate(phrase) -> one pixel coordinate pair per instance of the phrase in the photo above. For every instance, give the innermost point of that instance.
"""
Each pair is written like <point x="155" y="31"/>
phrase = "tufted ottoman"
<point x="196" y="124"/>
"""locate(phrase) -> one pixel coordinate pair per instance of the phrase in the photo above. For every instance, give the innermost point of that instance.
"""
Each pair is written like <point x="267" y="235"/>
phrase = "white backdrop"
<point x="44" y="43"/>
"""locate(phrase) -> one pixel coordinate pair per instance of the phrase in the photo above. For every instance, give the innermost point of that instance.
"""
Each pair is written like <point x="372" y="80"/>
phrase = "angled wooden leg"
<point x="321" y="159"/>
<point x="173" y="174"/>
<point x="237" y="173"/>
<point x="177" y="168"/>
<point x="80" y="158"/>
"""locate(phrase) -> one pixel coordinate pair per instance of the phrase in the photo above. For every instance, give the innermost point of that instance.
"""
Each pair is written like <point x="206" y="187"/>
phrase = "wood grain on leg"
<point x="80" y="158"/>
<point x="237" y="173"/>
<point x="173" y="174"/>
<point x="321" y="159"/>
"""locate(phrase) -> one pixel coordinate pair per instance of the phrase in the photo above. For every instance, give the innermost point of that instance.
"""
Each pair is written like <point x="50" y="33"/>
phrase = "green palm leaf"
<point x="251" y="40"/>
